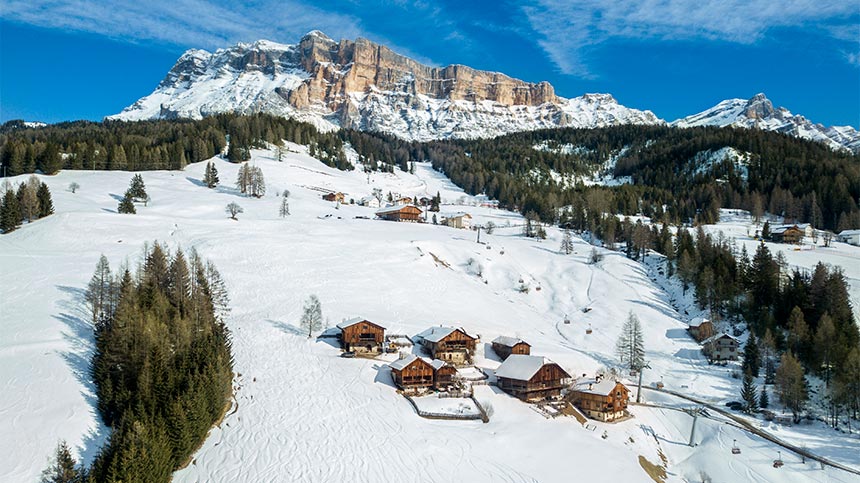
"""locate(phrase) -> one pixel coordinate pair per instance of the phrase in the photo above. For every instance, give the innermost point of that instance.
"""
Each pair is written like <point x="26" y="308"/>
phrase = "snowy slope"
<point x="302" y="413"/>
<point x="758" y="112"/>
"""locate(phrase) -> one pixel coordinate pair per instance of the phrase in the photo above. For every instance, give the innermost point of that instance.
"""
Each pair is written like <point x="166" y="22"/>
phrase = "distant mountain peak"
<point x="363" y="85"/>
<point x="758" y="112"/>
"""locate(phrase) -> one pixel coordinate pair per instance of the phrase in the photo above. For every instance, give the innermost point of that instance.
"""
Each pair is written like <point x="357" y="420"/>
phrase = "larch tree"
<point x="825" y="343"/>
<point x="284" y="210"/>
<point x="630" y="346"/>
<point x="798" y="332"/>
<point x="28" y="201"/>
<point x="98" y="289"/>
<point x="566" y="242"/>
<point x="791" y="384"/>
<point x="312" y="318"/>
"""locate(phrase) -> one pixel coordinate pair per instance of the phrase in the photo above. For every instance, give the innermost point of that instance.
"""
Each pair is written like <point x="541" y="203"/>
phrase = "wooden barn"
<point x="448" y="344"/>
<point x="701" y="328"/>
<point x="601" y="399"/>
<point x="338" y="197"/>
<point x="361" y="335"/>
<point x="531" y="378"/>
<point x="400" y="213"/>
<point x="412" y="373"/>
<point x="505" y="346"/>
<point x="443" y="373"/>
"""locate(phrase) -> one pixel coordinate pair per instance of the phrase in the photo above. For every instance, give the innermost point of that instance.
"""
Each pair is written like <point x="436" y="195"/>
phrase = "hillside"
<point x="303" y="413"/>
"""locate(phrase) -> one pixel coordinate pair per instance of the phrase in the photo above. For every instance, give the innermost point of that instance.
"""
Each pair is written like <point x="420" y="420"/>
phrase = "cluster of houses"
<point x="405" y="208"/>
<point x="522" y="375"/>
<point x="717" y="347"/>
<point x="795" y="233"/>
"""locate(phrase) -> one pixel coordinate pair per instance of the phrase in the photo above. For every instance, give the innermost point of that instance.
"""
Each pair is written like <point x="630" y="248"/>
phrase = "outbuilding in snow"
<point x="531" y="378"/>
<point x="701" y="328"/>
<point x="504" y="346"/>
<point x="337" y="197"/>
<point x="851" y="237"/>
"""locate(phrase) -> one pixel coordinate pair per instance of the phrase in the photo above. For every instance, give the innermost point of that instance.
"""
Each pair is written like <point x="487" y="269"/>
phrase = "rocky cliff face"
<point x="758" y="112"/>
<point x="364" y="85"/>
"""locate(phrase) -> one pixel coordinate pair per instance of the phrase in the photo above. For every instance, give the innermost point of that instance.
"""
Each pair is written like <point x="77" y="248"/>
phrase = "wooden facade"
<point x="338" y="197"/>
<point x="505" y="346"/>
<point x="701" y="329"/>
<point x="361" y="335"/>
<point x="791" y="234"/>
<point x="412" y="373"/>
<point x="443" y="374"/>
<point x="448" y="344"/>
<point x="546" y="382"/>
<point x="400" y="213"/>
<point x="605" y="400"/>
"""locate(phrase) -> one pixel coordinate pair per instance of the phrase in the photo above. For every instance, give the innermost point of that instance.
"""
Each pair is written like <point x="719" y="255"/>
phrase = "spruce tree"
<point x="763" y="400"/>
<point x="126" y="205"/>
<point x="46" y="204"/>
<point x="566" y="242"/>
<point x="136" y="188"/>
<point x="284" y="210"/>
<point x="752" y="357"/>
<point x="749" y="394"/>
<point x="63" y="468"/>
<point x="10" y="213"/>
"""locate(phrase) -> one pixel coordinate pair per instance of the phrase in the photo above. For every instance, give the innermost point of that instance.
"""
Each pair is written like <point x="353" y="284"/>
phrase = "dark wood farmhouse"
<point x="787" y="234"/>
<point x="531" y="378"/>
<point x="338" y="197"/>
<point x="505" y="346"/>
<point x="601" y="399"/>
<point x="400" y="213"/>
<point x="412" y="373"/>
<point x="448" y="344"/>
<point x="443" y="373"/>
<point x="700" y="329"/>
<point x="361" y="335"/>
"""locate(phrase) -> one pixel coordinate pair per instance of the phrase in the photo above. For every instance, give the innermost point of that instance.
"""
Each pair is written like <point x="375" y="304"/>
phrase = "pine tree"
<point x="312" y="315"/>
<point x="46" y="204"/>
<point x="10" y="213"/>
<point x="749" y="394"/>
<point x="566" y="242"/>
<point x="765" y="231"/>
<point x="630" y="346"/>
<point x="752" y="358"/>
<point x="126" y="205"/>
<point x="63" y="467"/>
<point x="763" y="399"/>
<point x="137" y="189"/>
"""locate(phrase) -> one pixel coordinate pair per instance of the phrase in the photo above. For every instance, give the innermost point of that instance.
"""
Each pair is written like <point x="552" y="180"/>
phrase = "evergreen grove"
<point x="162" y="365"/>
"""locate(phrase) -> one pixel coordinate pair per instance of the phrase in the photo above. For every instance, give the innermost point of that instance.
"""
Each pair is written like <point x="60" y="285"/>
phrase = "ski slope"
<point x="301" y="413"/>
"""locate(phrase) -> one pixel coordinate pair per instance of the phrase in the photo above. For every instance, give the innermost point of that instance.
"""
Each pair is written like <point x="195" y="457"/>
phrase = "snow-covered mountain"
<point x="758" y="112"/>
<point x="360" y="84"/>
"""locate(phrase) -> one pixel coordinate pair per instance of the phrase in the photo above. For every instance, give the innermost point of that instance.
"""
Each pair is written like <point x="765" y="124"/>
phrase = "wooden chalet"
<point x="700" y="329"/>
<point x="601" y="399"/>
<point x="338" y="197"/>
<point x="787" y="234"/>
<point x="531" y="378"/>
<point x="721" y="347"/>
<point x="400" y="213"/>
<point x="443" y="373"/>
<point x="412" y="373"/>
<point x="361" y="335"/>
<point x="505" y="346"/>
<point x="457" y="220"/>
<point x="404" y="200"/>
<point x="448" y="344"/>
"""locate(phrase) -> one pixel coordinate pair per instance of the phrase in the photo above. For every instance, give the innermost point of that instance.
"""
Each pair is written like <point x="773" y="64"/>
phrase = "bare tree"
<point x="312" y="318"/>
<point x="233" y="209"/>
<point x="73" y="186"/>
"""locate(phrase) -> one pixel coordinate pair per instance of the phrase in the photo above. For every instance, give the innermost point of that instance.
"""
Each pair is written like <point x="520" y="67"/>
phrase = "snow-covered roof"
<point x="455" y="215"/>
<point x="602" y="388"/>
<point x="849" y="232"/>
<point x="353" y="321"/>
<point x="435" y="334"/>
<point x="521" y="367"/>
<point x="720" y="336"/>
<point x="782" y="228"/>
<point x="698" y="321"/>
<point x="392" y="209"/>
<point x="400" y="364"/>
<point x="508" y="341"/>
<point x="437" y="364"/>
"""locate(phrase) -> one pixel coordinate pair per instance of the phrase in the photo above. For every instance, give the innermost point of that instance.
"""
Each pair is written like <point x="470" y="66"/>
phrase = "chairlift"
<point x="777" y="463"/>
<point x="588" y="330"/>
<point x="735" y="449"/>
<point x="566" y="319"/>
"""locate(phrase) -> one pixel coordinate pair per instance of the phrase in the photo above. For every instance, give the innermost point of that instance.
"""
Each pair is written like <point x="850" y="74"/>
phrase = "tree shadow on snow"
<point x="196" y="182"/>
<point x="288" y="328"/>
<point x="116" y="197"/>
<point x="80" y="338"/>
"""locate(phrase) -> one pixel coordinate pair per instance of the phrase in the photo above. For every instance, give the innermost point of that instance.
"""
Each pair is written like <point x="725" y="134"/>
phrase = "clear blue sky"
<point x="84" y="59"/>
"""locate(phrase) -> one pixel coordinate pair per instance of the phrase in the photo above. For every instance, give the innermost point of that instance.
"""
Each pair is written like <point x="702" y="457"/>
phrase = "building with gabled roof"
<point x="851" y="237"/>
<point x="457" y="220"/>
<point x="504" y="346"/>
<point x="361" y="335"/>
<point x="449" y="344"/>
<point x="531" y="378"/>
<point x="400" y="213"/>
<point x="601" y="399"/>
<point x="700" y="328"/>
<point x="721" y="347"/>
<point x="412" y="373"/>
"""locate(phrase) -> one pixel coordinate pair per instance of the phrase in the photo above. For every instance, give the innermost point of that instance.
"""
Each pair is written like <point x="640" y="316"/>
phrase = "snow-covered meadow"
<point x="302" y="413"/>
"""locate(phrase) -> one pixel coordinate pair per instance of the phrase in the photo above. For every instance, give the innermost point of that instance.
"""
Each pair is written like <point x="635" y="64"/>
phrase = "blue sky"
<point x="84" y="59"/>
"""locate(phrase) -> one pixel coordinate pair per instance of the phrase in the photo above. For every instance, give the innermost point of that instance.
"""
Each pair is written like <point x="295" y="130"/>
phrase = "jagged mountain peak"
<point x="759" y="112"/>
<point x="364" y="85"/>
